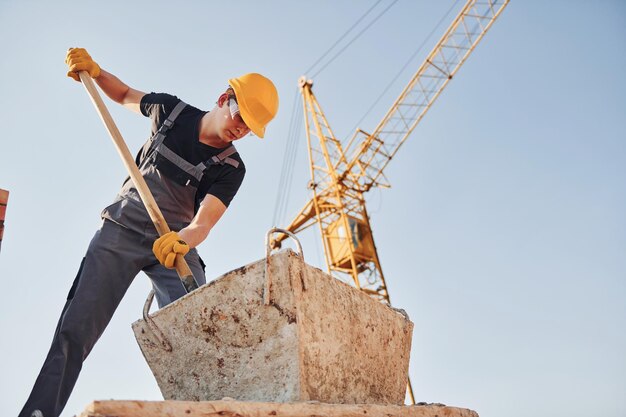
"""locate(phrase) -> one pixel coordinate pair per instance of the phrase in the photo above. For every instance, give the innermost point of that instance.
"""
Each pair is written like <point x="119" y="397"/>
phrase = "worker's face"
<point x="232" y="127"/>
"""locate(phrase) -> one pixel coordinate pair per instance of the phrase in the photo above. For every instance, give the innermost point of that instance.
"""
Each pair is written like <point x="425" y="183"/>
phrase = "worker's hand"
<point x="167" y="247"/>
<point x="77" y="59"/>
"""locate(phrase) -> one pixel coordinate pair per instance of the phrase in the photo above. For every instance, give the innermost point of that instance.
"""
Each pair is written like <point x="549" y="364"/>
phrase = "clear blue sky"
<point x="503" y="237"/>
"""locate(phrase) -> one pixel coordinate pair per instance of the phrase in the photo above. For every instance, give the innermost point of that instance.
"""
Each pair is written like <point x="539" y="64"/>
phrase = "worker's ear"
<point x="222" y="99"/>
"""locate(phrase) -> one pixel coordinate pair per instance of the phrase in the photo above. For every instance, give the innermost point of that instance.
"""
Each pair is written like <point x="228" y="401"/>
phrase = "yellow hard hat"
<point x="258" y="100"/>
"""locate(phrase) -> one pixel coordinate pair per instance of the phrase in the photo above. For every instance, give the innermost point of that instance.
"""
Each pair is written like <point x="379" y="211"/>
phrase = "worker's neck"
<point x="208" y="133"/>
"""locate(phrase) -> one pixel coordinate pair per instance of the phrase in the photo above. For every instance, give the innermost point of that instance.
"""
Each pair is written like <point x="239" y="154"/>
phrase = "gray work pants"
<point x="115" y="256"/>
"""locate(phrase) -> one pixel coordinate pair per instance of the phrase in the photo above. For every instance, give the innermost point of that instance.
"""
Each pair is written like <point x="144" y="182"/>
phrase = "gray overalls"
<point x="120" y="249"/>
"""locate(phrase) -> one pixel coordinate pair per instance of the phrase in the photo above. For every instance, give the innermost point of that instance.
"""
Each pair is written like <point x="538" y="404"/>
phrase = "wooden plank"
<point x="262" y="409"/>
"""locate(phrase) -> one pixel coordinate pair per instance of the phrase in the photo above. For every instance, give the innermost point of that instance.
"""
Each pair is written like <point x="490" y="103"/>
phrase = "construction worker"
<point x="193" y="171"/>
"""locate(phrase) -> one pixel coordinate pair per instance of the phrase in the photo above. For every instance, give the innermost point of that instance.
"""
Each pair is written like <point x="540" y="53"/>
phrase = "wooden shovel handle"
<point x="184" y="272"/>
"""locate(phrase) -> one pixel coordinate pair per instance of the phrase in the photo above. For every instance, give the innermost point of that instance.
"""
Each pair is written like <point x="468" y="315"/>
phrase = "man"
<point x="193" y="171"/>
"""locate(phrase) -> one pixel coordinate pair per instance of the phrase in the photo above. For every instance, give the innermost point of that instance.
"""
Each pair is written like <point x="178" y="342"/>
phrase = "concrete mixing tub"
<point x="317" y="339"/>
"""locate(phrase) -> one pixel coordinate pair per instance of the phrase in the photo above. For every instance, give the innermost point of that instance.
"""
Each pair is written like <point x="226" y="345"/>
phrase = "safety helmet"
<point x="258" y="100"/>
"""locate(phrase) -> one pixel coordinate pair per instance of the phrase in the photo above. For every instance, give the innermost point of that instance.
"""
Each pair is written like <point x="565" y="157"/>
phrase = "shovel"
<point x="185" y="274"/>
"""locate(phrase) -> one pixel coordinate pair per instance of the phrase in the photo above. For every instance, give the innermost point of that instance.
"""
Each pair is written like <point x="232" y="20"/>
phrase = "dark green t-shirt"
<point x="221" y="181"/>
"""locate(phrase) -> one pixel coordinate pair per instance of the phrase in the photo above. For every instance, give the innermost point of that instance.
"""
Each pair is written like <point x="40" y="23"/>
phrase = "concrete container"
<point x="316" y="338"/>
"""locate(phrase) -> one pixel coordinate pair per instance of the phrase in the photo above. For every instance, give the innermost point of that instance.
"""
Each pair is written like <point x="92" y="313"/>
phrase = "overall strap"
<point x="197" y="171"/>
<point x="224" y="157"/>
<point x="167" y="124"/>
<point x="161" y="133"/>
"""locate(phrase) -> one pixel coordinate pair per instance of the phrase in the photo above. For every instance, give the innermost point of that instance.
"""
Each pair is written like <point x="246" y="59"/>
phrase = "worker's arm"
<point x="170" y="244"/>
<point x="119" y="92"/>
<point x="78" y="59"/>
<point x="210" y="211"/>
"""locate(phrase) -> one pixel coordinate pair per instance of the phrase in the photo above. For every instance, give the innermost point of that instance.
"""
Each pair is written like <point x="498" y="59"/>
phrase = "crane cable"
<point x="341" y="37"/>
<point x="289" y="158"/>
<point x="358" y="35"/>
<point x="291" y="146"/>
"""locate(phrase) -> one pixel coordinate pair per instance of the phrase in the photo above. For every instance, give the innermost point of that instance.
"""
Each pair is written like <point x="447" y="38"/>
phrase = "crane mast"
<point x="338" y="206"/>
<point x="341" y="175"/>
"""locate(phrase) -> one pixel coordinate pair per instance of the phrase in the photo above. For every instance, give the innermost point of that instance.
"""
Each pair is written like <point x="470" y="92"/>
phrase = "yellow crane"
<point x="341" y="175"/>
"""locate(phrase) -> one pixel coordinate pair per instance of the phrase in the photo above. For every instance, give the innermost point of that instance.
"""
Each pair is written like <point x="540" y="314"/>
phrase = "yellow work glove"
<point x="167" y="247"/>
<point x="77" y="59"/>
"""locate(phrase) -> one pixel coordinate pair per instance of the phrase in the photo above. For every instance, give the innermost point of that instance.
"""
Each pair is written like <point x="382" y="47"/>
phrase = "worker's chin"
<point x="228" y="137"/>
